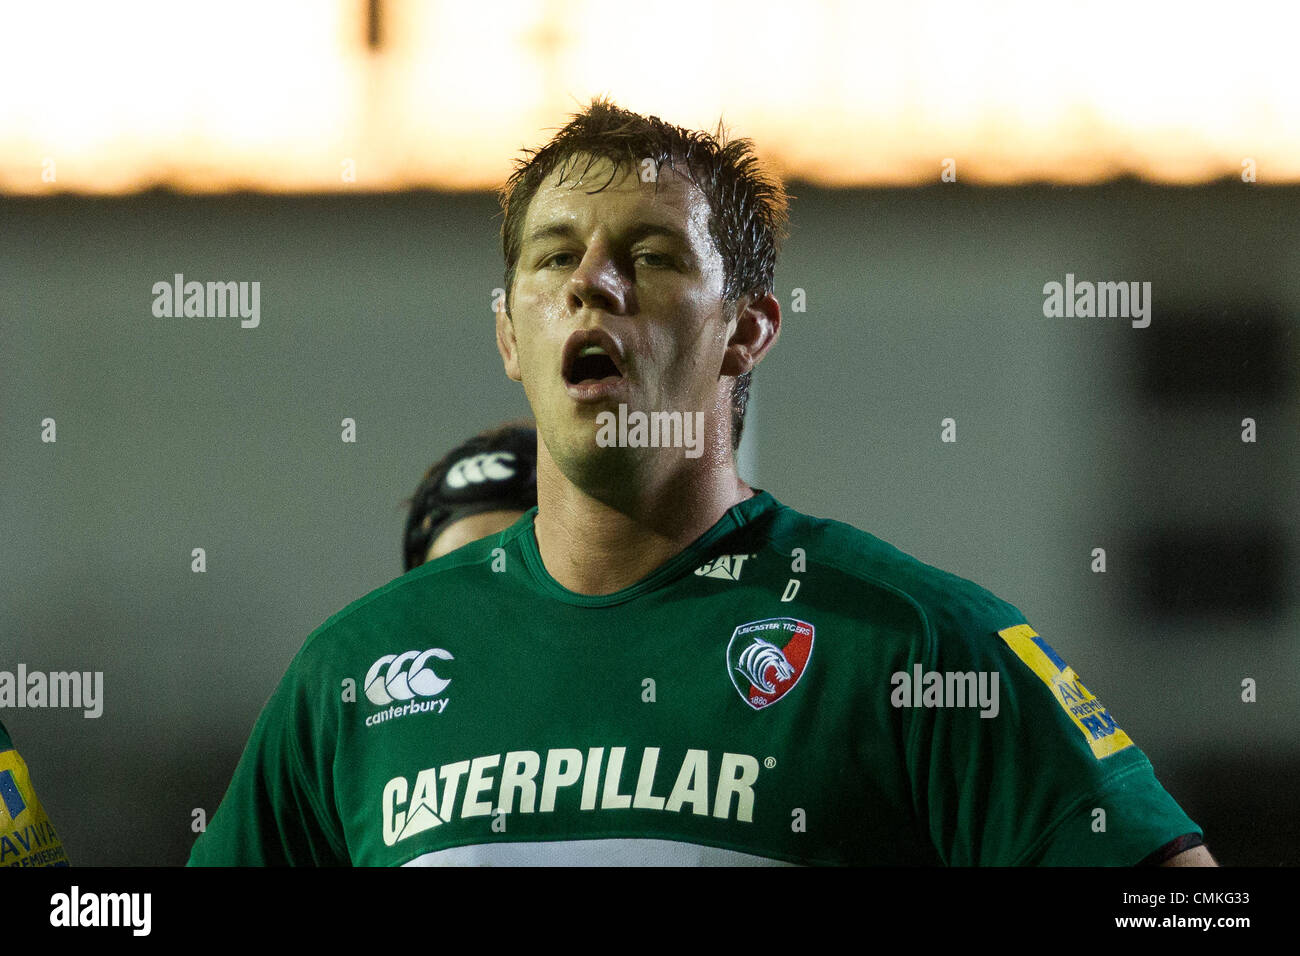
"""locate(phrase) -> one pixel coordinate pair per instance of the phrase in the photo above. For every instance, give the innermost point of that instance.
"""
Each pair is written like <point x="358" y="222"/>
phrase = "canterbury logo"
<point x="725" y="566"/>
<point x="755" y="661"/>
<point x="479" y="468"/>
<point x="390" y="678"/>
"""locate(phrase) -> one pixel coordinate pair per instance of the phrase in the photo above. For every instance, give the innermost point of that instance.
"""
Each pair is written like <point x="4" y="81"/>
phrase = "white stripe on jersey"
<point x="592" y="853"/>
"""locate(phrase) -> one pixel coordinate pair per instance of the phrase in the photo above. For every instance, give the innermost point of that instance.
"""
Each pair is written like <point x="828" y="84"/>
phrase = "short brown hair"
<point x="748" y="206"/>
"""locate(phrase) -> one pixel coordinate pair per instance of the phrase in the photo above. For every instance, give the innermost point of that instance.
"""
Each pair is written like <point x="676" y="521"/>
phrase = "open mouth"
<point x="592" y="364"/>
<point x="592" y="357"/>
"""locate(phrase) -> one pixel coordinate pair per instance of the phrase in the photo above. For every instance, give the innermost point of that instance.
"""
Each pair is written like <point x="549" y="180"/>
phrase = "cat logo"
<point x="725" y="566"/>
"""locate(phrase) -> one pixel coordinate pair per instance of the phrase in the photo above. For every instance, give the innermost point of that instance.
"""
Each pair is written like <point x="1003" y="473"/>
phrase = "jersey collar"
<point x="687" y="560"/>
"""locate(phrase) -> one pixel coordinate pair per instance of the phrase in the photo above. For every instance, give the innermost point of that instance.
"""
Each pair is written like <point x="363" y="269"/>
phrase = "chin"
<point x="593" y="468"/>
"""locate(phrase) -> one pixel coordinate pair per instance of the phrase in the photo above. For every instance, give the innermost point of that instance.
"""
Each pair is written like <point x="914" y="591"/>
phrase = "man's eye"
<point x="656" y="259"/>
<point x="554" y="259"/>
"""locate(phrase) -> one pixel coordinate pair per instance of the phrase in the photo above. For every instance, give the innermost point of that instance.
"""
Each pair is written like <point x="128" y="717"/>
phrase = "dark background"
<point x="922" y="304"/>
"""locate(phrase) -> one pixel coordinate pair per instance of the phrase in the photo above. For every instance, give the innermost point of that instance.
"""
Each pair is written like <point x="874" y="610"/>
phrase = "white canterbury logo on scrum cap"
<point x="479" y="468"/>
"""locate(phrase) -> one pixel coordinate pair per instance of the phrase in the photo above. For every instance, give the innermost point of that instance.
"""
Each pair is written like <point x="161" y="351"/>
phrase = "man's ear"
<point x="757" y="327"/>
<point x="507" y="346"/>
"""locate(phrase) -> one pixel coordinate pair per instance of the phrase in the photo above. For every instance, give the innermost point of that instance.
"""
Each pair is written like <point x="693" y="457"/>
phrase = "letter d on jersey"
<point x="765" y="659"/>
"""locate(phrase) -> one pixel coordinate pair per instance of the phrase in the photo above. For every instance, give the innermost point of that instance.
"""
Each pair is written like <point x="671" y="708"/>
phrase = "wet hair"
<point x="749" y="209"/>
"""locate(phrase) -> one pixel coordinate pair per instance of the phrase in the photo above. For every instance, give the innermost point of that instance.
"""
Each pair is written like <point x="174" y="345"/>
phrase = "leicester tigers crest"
<point x="765" y="659"/>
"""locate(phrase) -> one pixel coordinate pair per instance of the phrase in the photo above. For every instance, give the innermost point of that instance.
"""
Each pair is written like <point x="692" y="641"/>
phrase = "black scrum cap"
<point x="492" y="472"/>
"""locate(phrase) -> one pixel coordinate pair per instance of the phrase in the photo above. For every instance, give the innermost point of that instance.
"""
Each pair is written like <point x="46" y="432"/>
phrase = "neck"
<point x="598" y="542"/>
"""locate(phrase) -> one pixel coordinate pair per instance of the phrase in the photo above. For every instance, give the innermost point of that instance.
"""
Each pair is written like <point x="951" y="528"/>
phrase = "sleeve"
<point x="1039" y="773"/>
<point x="279" y="809"/>
<point x="27" y="838"/>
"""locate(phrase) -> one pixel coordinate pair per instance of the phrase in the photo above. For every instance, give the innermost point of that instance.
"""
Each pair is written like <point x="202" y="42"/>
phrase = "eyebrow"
<point x="565" y="230"/>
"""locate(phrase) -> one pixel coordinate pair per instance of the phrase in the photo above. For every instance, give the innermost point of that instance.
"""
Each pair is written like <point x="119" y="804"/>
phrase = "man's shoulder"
<point x="450" y="580"/>
<point x="860" y="561"/>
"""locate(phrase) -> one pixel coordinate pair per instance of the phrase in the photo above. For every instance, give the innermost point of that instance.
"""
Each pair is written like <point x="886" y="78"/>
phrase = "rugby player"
<point x="660" y="664"/>
<point x="475" y="490"/>
<point x="27" y="837"/>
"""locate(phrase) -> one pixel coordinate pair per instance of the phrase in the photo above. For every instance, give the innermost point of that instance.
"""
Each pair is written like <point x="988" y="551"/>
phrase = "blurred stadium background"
<point x="344" y="153"/>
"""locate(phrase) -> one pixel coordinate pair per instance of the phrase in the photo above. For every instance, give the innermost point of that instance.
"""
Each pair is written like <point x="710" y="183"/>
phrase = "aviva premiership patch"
<point x="1088" y="713"/>
<point x="27" y="837"/>
<point x="765" y="659"/>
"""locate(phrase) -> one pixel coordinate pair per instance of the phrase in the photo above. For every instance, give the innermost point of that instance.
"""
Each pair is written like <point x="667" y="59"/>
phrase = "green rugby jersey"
<point x="787" y="689"/>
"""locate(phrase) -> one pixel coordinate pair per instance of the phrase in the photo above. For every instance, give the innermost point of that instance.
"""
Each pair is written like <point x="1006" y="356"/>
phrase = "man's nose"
<point x="598" y="283"/>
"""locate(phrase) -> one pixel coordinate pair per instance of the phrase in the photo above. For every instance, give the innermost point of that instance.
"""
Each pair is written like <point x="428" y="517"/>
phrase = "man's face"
<point x="630" y="270"/>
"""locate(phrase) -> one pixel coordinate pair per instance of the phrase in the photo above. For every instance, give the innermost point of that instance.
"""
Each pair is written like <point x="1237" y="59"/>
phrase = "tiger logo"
<point x="760" y="657"/>
<point x="767" y="658"/>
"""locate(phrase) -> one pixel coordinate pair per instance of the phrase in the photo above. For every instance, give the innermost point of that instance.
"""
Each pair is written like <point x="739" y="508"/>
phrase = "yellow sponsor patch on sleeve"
<point x="1104" y="736"/>
<point x="27" y="837"/>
